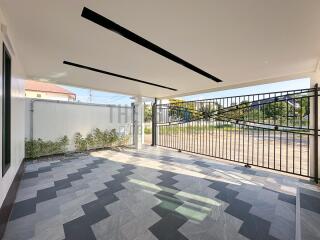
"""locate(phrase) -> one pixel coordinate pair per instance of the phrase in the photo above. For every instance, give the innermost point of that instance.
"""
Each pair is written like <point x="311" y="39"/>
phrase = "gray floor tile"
<point x="282" y="228"/>
<point x="134" y="195"/>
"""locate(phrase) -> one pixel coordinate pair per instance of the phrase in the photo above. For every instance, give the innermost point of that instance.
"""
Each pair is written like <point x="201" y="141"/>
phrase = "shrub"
<point x="96" y="139"/>
<point x="147" y="130"/>
<point x="112" y="137"/>
<point x="124" y="140"/>
<point x="91" y="143"/>
<point x="105" y="139"/>
<point x="37" y="148"/>
<point x="98" y="136"/>
<point x="64" y="142"/>
<point x="79" y="142"/>
<point x="99" y="139"/>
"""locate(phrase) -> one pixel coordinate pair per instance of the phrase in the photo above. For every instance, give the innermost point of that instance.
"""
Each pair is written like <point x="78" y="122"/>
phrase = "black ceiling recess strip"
<point x="112" y="26"/>
<point x="116" y="75"/>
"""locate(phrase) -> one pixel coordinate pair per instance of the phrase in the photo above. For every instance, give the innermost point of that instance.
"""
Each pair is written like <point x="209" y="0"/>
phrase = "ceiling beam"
<point x="116" y="28"/>
<point x="116" y="75"/>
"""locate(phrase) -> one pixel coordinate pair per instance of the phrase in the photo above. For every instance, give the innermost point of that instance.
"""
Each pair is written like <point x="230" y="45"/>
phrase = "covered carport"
<point x="166" y="49"/>
<point x="160" y="49"/>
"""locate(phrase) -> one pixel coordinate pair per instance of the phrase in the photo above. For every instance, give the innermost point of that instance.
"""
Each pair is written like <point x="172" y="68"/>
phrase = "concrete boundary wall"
<point x="50" y="120"/>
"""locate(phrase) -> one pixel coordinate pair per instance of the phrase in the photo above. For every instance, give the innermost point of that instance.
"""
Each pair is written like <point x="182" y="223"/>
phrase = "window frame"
<point x="6" y="109"/>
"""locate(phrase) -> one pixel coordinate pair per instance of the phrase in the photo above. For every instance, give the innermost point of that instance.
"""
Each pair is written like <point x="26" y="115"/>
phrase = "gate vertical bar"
<point x="270" y="129"/>
<point x="32" y="102"/>
<point x="316" y="129"/>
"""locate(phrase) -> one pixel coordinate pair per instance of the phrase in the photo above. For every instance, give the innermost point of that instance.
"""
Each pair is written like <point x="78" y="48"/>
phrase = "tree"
<point x="304" y="106"/>
<point x="181" y="110"/>
<point x="147" y="113"/>
<point x="207" y="110"/>
<point x="274" y="110"/>
<point x="234" y="111"/>
<point x="278" y="110"/>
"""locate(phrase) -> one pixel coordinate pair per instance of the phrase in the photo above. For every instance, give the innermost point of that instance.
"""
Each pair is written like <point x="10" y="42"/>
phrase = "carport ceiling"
<point x="239" y="42"/>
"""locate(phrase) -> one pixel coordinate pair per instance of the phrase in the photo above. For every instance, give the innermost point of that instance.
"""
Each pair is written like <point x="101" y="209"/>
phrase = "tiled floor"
<point x="152" y="194"/>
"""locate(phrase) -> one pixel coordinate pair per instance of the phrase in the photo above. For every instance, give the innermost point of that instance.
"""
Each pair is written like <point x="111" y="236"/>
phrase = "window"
<point x="6" y="110"/>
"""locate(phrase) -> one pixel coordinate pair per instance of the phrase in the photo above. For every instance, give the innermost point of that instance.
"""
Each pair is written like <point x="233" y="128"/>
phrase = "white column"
<point x="158" y="119"/>
<point x="315" y="78"/>
<point x="139" y="123"/>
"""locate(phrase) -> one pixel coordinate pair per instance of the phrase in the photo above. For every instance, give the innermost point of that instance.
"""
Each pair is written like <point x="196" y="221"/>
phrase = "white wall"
<point x="17" y="113"/>
<point x="54" y="119"/>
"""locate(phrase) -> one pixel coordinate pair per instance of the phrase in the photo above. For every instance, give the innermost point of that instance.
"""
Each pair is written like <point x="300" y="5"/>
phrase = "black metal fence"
<point x="272" y="130"/>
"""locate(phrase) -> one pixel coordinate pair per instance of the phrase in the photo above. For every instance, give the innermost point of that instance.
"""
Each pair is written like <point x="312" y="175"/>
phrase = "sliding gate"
<point x="277" y="130"/>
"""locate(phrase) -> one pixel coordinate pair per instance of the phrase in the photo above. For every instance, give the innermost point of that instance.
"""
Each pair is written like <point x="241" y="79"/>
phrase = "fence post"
<point x="31" y="118"/>
<point x="154" y="123"/>
<point x="133" y="122"/>
<point x="316" y="129"/>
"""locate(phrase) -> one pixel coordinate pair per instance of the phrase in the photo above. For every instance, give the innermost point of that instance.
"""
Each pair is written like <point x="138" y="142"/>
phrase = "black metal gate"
<point x="276" y="130"/>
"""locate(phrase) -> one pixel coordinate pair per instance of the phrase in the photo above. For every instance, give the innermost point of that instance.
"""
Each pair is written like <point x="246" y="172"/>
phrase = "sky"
<point x="83" y="95"/>
<point x="264" y="88"/>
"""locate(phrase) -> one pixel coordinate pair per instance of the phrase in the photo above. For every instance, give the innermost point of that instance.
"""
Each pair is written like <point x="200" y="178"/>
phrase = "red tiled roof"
<point x="31" y="85"/>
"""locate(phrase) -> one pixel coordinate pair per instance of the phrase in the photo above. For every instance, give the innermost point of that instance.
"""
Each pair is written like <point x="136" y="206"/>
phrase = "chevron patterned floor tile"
<point x="151" y="194"/>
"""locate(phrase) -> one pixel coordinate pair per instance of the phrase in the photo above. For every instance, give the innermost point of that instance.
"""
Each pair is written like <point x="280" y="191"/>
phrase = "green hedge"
<point x="99" y="139"/>
<point x="95" y="140"/>
<point x="37" y="148"/>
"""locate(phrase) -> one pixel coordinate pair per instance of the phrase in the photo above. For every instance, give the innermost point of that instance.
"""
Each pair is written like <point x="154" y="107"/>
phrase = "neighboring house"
<point x="34" y="89"/>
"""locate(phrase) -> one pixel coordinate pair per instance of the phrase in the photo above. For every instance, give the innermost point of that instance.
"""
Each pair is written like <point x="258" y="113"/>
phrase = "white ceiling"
<point x="237" y="41"/>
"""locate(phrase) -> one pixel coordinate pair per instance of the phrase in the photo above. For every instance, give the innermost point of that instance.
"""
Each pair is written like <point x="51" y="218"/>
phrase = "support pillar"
<point x="314" y="124"/>
<point x="154" y="123"/>
<point x="138" y="123"/>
